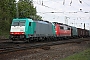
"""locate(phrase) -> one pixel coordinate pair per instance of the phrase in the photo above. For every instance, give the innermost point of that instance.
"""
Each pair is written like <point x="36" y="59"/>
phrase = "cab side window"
<point x="61" y="27"/>
<point x="29" y="23"/>
<point x="68" y="28"/>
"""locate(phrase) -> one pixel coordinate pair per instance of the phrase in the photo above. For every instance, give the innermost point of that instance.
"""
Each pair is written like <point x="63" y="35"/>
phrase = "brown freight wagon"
<point x="82" y="32"/>
<point x="79" y="32"/>
<point x="86" y="33"/>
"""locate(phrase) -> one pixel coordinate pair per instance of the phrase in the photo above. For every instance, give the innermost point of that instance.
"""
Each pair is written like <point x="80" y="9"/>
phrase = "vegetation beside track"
<point x="4" y="35"/>
<point x="8" y="12"/>
<point x="85" y="55"/>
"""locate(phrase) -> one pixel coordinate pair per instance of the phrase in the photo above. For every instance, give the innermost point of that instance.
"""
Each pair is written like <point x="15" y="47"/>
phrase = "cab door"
<point x="31" y="28"/>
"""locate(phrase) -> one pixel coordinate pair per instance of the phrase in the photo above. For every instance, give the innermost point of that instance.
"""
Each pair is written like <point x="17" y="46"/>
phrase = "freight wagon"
<point x="79" y="32"/>
<point x="89" y="33"/>
<point x="74" y="32"/>
<point x="86" y="33"/>
<point x="82" y="32"/>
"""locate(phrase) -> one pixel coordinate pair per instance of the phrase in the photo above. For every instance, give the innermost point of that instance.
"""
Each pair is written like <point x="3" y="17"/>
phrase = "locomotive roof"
<point x="61" y="24"/>
<point x="57" y="23"/>
<point x="43" y="22"/>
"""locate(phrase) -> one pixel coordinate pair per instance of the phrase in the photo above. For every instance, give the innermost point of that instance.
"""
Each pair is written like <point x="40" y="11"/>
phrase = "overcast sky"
<point x="75" y="19"/>
<point x="66" y="7"/>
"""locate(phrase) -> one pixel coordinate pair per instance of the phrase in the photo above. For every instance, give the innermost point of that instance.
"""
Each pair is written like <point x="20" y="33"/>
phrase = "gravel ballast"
<point x="56" y="52"/>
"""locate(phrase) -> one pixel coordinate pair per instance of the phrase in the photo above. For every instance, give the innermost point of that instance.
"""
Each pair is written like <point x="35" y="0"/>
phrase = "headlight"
<point x="11" y="33"/>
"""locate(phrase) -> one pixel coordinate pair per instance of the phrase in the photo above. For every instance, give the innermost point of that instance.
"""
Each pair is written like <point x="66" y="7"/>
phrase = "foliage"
<point x="7" y="9"/>
<point x="7" y="13"/>
<point x="85" y="55"/>
<point x="26" y="9"/>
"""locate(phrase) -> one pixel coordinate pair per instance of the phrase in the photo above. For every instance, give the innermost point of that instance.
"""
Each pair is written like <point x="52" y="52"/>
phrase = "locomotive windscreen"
<point x="18" y="23"/>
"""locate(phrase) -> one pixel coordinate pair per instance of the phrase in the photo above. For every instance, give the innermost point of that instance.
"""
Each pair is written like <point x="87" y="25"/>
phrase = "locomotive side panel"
<point x="57" y="30"/>
<point x="63" y="30"/>
<point x="43" y="29"/>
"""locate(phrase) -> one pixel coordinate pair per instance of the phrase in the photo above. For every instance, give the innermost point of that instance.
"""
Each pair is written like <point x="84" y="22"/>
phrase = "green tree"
<point x="7" y="13"/>
<point x="27" y="10"/>
<point x="7" y="8"/>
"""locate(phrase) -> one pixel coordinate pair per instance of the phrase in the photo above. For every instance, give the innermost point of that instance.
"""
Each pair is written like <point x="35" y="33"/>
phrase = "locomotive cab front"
<point x="17" y="30"/>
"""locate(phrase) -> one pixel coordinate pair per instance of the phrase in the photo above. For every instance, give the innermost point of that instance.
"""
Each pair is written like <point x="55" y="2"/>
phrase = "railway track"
<point x="6" y="47"/>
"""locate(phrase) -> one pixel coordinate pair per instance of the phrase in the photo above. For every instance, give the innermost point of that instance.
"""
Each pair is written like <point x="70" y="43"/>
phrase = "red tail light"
<point x="11" y="33"/>
<point x="17" y="33"/>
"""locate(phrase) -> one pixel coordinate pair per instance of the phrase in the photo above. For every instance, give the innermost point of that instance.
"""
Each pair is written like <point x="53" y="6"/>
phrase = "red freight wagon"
<point x="62" y="30"/>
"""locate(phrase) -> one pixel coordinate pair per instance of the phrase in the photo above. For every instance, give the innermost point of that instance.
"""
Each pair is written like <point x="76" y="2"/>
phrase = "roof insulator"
<point x="80" y="1"/>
